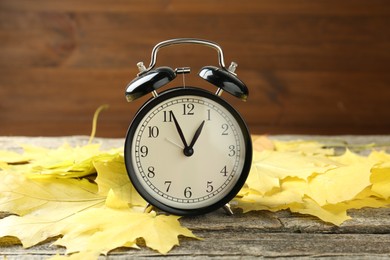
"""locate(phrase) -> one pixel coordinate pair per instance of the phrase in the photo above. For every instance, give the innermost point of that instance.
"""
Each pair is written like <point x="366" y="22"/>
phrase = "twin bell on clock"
<point x="187" y="150"/>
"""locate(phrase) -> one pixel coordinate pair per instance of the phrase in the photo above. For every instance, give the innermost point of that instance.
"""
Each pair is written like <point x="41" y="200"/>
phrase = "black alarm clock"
<point x="187" y="150"/>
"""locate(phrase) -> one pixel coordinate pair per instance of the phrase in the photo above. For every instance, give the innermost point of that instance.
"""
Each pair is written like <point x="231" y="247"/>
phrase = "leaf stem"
<point x="94" y="121"/>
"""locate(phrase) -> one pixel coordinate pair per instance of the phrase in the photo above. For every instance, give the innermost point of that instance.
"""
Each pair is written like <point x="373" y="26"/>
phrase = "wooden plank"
<point x="326" y="7"/>
<point x="226" y="245"/>
<point x="312" y="67"/>
<point x="278" y="102"/>
<point x="309" y="42"/>
<point x="262" y="234"/>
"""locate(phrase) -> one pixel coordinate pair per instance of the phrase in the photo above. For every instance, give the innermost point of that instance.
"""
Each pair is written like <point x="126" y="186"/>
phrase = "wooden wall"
<point x="312" y="66"/>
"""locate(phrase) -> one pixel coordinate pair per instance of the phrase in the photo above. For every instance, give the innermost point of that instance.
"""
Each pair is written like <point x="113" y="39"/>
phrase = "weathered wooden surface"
<point x="255" y="234"/>
<point x="262" y="234"/>
<point x="317" y="67"/>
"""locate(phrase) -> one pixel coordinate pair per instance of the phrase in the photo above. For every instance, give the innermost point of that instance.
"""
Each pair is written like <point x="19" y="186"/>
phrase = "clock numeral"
<point x="225" y="128"/>
<point x="151" y="172"/>
<point x="167" y="116"/>
<point x="187" y="192"/>
<point x="224" y="171"/>
<point x="168" y="185"/>
<point x="210" y="187"/>
<point x="208" y="114"/>
<point x="144" y="151"/>
<point x="188" y="109"/>
<point x="232" y="151"/>
<point x="153" y="131"/>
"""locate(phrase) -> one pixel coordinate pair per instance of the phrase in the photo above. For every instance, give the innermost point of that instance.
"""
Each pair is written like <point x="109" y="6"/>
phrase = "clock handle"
<point x="149" y="79"/>
<point x="167" y="43"/>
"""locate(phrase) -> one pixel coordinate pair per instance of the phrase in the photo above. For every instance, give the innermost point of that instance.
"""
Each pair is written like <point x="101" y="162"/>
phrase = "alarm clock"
<point x="187" y="150"/>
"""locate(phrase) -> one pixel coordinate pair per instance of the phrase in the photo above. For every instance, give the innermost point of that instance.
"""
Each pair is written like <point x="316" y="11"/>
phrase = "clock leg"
<point x="228" y="209"/>
<point x="148" y="208"/>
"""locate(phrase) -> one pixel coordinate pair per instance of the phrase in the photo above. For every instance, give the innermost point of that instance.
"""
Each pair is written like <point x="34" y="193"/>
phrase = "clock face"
<point x="188" y="151"/>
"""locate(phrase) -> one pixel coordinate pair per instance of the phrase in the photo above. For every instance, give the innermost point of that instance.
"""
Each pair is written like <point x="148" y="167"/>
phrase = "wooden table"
<point x="256" y="234"/>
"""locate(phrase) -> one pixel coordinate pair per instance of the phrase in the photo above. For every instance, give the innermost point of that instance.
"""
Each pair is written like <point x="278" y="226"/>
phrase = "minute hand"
<point x="178" y="128"/>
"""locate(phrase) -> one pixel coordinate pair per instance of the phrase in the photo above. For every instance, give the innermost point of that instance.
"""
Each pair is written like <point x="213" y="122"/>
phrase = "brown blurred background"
<point x="312" y="66"/>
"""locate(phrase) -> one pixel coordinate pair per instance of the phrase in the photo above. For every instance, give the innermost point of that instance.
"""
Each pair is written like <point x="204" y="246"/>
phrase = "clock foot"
<point x="227" y="209"/>
<point x="148" y="208"/>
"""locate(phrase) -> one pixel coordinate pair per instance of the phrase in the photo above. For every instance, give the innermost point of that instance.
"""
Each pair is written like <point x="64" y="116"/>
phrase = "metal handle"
<point x="182" y="41"/>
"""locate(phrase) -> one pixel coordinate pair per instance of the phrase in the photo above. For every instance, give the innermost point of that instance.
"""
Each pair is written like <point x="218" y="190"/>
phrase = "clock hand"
<point x="174" y="143"/>
<point x="179" y="131"/>
<point x="197" y="133"/>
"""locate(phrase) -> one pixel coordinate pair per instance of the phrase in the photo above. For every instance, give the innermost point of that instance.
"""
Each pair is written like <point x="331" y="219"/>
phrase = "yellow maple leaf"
<point x="303" y="147"/>
<point x="21" y="195"/>
<point x="114" y="202"/>
<point x="340" y="184"/>
<point x="65" y="161"/>
<point x="366" y="198"/>
<point x="299" y="176"/>
<point x="291" y="192"/>
<point x="112" y="175"/>
<point x="42" y="205"/>
<point x="380" y="174"/>
<point x="9" y="157"/>
<point x="281" y="165"/>
<point x="261" y="181"/>
<point x="91" y="215"/>
<point x="380" y="179"/>
<point x="262" y="142"/>
<point x="334" y="215"/>
<point x="117" y="228"/>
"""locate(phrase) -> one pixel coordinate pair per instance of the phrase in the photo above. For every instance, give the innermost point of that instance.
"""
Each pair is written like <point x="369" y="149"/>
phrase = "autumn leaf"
<point x="120" y="227"/>
<point x="43" y="205"/>
<point x="380" y="177"/>
<point x="93" y="218"/>
<point x="21" y="195"/>
<point x="112" y="175"/>
<point x="262" y="142"/>
<point x="303" y="147"/>
<point x="340" y="184"/>
<point x="65" y="161"/>
<point x="8" y="157"/>
<point x="269" y="167"/>
<point x="48" y="192"/>
<point x="307" y="178"/>
<point x="335" y="215"/>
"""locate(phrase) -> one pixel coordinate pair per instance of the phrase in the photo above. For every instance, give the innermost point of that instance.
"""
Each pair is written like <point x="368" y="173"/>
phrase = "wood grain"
<point x="312" y="67"/>
<point x="244" y="236"/>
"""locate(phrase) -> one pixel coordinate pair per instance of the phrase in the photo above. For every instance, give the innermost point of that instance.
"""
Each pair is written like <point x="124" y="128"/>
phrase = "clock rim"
<point x="130" y="137"/>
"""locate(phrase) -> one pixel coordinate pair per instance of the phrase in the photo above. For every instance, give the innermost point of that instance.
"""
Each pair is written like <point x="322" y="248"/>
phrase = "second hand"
<point x="174" y="143"/>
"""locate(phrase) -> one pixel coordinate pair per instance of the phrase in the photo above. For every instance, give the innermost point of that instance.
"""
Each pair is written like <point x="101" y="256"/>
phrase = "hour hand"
<point x="178" y="128"/>
<point x="197" y="133"/>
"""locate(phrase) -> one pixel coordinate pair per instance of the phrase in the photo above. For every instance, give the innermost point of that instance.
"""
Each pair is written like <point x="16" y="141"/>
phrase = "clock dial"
<point x="188" y="150"/>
